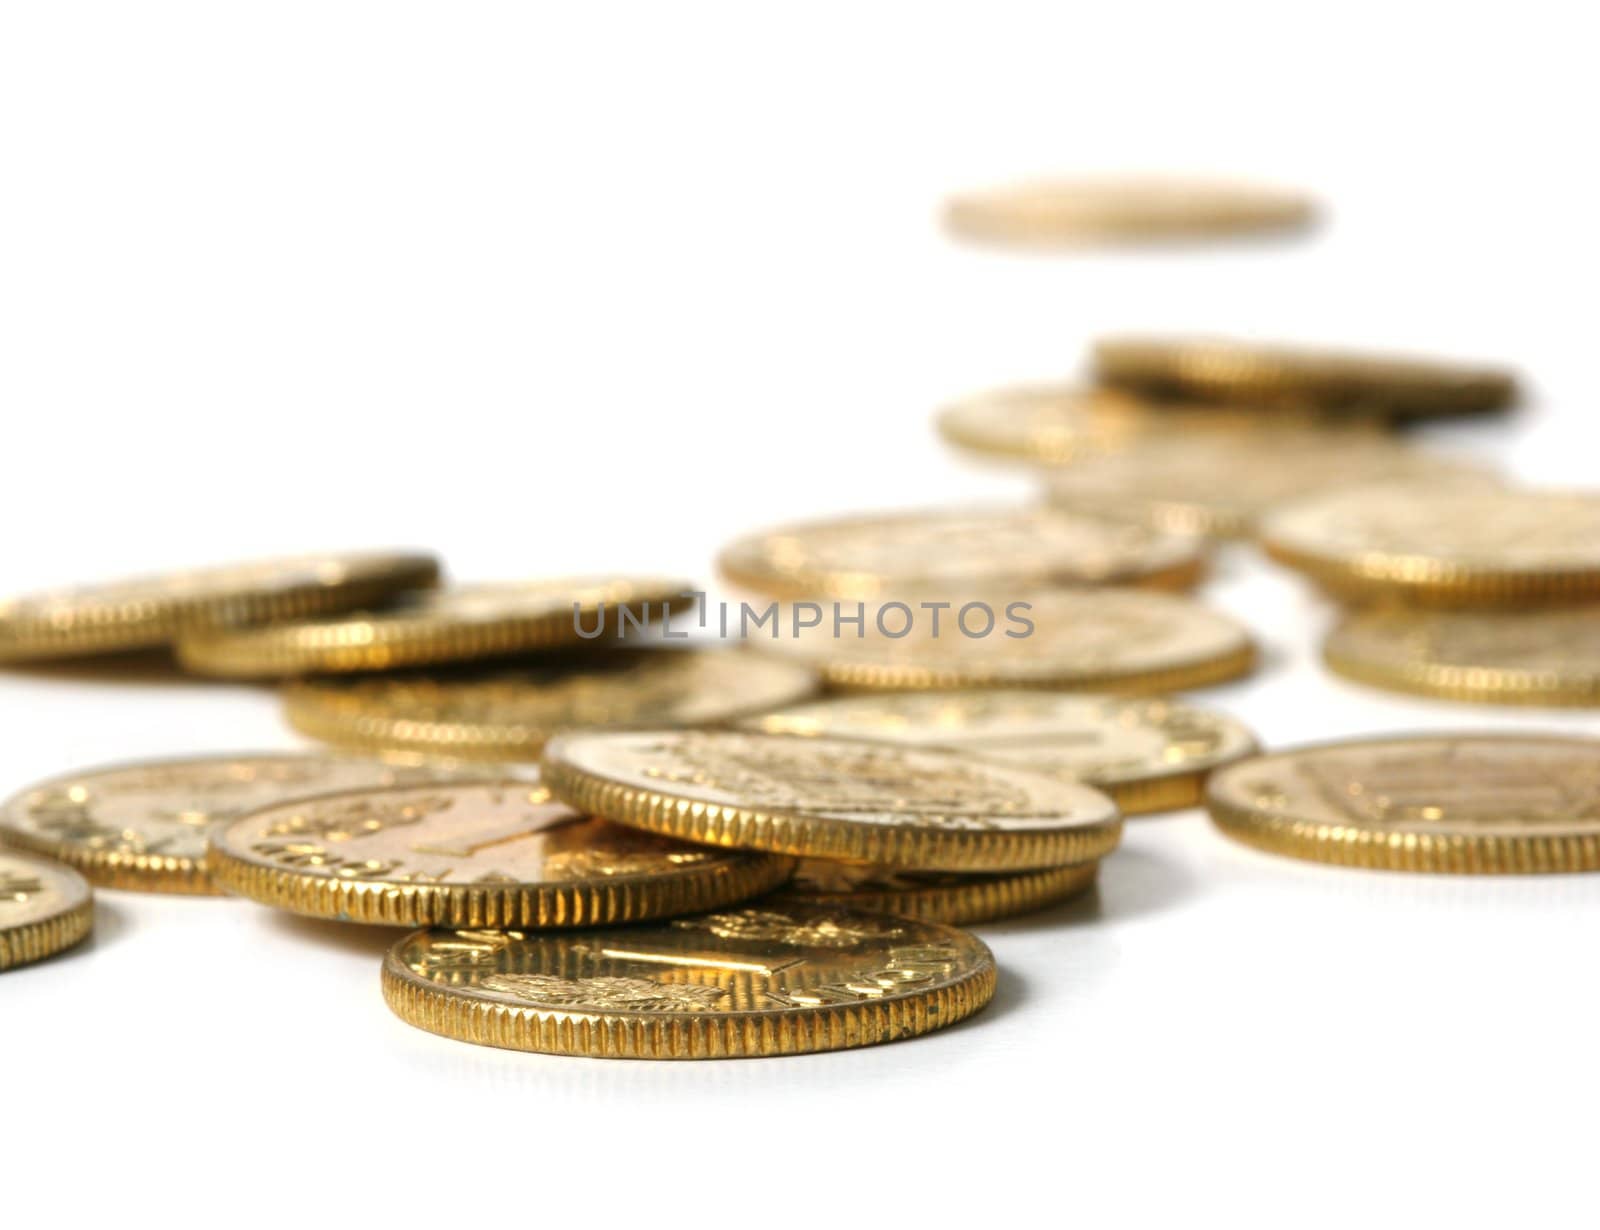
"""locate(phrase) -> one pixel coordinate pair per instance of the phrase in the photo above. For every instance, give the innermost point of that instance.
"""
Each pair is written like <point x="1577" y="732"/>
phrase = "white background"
<point x="555" y="291"/>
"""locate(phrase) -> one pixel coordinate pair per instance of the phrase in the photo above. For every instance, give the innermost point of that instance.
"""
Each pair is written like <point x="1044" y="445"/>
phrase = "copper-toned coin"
<point x="44" y="908"/>
<point x="937" y="896"/>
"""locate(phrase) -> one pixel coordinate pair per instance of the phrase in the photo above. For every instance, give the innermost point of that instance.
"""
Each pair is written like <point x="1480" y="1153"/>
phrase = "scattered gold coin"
<point x="1452" y="803"/>
<point x="144" y="612"/>
<point x="508" y="713"/>
<point x="936" y="896"/>
<point x="1217" y="369"/>
<point x="1451" y="544"/>
<point x="452" y="625"/>
<point x="745" y="982"/>
<point x="887" y="555"/>
<point x="901" y="806"/>
<point x="143" y="826"/>
<point x="1148" y="754"/>
<point x="45" y="908"/>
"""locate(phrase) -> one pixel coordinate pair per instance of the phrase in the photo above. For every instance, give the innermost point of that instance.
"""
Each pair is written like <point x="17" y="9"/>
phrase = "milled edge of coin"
<point x="29" y="942"/>
<point x="975" y="900"/>
<point x="1346" y="845"/>
<point x="763" y="1033"/>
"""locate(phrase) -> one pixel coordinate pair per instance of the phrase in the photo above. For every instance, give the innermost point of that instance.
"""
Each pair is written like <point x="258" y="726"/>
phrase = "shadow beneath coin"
<point x="1132" y="881"/>
<point x="361" y="938"/>
<point x="112" y="923"/>
<point x="138" y="668"/>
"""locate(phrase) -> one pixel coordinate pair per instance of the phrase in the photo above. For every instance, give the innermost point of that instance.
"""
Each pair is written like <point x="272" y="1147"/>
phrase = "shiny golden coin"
<point x="889" y="555"/>
<point x="508" y="713"/>
<point x="1215" y="369"/>
<point x="736" y="984"/>
<point x="1105" y="640"/>
<point x="1130" y="209"/>
<point x="143" y="612"/>
<point x="498" y="853"/>
<point x="1454" y="544"/>
<point x="935" y="896"/>
<point x="45" y="908"/>
<point x="925" y="809"/>
<point x="453" y="625"/>
<point x="143" y="826"/>
<point x="1148" y="755"/>
<point x="1538" y="657"/>
<point x="1448" y="803"/>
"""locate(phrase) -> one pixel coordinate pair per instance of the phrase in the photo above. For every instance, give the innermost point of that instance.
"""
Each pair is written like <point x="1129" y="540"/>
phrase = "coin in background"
<point x="44" y="909"/>
<point x="937" y="896"/>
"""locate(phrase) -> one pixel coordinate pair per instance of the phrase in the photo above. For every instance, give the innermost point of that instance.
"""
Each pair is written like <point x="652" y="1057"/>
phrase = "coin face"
<point x="1452" y="803"/>
<point x="1147" y="754"/>
<point x="44" y="908"/>
<point x="937" y="896"/>
<point x="733" y="984"/>
<point x="143" y="826"/>
<point x="498" y="853"/>
<point x="920" y="808"/>
<point x="1535" y="657"/>
<point x="508" y="713"/>
<point x="453" y="625"/>
<point x="142" y="612"/>
<point x="1458" y="544"/>
<point x="1118" y="640"/>
<point x="869" y="557"/>
<point x="1128" y="209"/>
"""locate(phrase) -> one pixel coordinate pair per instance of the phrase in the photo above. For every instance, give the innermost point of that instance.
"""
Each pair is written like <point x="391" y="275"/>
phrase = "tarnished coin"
<point x="736" y="984"/>
<point x="1148" y="755"/>
<point x="498" y="853"/>
<point x="452" y="625"/>
<point x="45" y="908"/>
<point x="508" y="713"/>
<point x="1216" y="369"/>
<point x="1107" y="640"/>
<point x="1455" y="544"/>
<point x="1537" y="657"/>
<point x="937" y="896"/>
<point x="892" y="554"/>
<point x="143" y="826"/>
<point x="142" y="612"/>
<point x="1129" y="209"/>
<point x="1451" y="803"/>
<point x="925" y="809"/>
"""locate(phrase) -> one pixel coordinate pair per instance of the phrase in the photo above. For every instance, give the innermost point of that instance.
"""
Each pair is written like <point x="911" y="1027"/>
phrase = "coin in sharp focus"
<point x="462" y="624"/>
<point x="1469" y="803"/>
<point x="890" y="554"/>
<point x="936" y="896"/>
<point x="735" y="984"/>
<point x="1149" y="754"/>
<point x="143" y="826"/>
<point x="493" y="853"/>
<point x="919" y="808"/>
<point x="1236" y="372"/>
<point x="1534" y="657"/>
<point x="1126" y="209"/>
<point x="145" y="612"/>
<point x="1450" y="544"/>
<point x="1087" y="640"/>
<point x="45" y="908"/>
<point x="509" y="712"/>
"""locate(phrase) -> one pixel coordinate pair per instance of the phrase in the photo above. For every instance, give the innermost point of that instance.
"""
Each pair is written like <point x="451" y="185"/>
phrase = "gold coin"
<point x="45" y="908"/>
<point x="921" y="808"/>
<point x="143" y="612"/>
<point x="1148" y="755"/>
<point x="493" y="853"/>
<point x="143" y="826"/>
<point x="935" y="896"/>
<point x="736" y="984"/>
<point x="1105" y="640"/>
<point x="1215" y="369"/>
<point x="865" y="557"/>
<point x="1454" y="544"/>
<point x="453" y="625"/>
<point x="1539" y="657"/>
<point x="1449" y="803"/>
<point x="1129" y="209"/>
<point x="508" y="713"/>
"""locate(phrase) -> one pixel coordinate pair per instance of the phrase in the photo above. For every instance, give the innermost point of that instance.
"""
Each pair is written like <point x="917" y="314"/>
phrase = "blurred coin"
<point x="1447" y="803"/>
<point x="735" y="984"/>
<point x="44" y="909"/>
<point x="937" y="896"/>
<point x="832" y="798"/>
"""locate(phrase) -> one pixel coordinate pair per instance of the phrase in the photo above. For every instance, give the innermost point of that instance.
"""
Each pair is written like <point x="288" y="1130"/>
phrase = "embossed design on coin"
<point x="44" y="908"/>
<point x="936" y="896"/>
